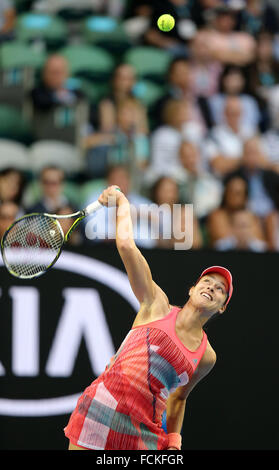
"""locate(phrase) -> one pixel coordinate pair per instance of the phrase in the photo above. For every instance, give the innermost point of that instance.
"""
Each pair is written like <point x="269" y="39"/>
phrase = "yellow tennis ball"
<point x="165" y="22"/>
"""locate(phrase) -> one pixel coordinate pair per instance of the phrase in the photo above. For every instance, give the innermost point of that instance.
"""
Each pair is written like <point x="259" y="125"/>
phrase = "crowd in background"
<point x="211" y="139"/>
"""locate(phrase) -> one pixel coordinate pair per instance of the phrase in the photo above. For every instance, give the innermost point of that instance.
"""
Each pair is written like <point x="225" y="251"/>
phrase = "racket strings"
<point x="31" y="245"/>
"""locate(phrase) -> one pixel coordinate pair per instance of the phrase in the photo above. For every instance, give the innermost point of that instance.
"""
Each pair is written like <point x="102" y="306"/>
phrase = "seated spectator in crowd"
<point x="258" y="16"/>
<point x="225" y="144"/>
<point x="127" y="144"/>
<point x="12" y="183"/>
<point x="123" y="82"/>
<point x="101" y="225"/>
<point x="172" y="221"/>
<point x="9" y="212"/>
<point x="271" y="224"/>
<point x="205" y="69"/>
<point x="199" y="10"/>
<point x="52" y="186"/>
<point x="7" y="20"/>
<point x="175" y="42"/>
<point x="179" y="87"/>
<point x="233" y="83"/>
<point x="196" y="185"/>
<point x="261" y="179"/>
<point x="166" y="140"/>
<point x="263" y="74"/>
<point x="224" y="44"/>
<point x="270" y="138"/>
<point x="242" y="236"/>
<point x="53" y="91"/>
<point x="235" y="198"/>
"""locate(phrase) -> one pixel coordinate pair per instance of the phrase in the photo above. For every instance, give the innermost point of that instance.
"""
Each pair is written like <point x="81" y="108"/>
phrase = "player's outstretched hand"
<point x="111" y="196"/>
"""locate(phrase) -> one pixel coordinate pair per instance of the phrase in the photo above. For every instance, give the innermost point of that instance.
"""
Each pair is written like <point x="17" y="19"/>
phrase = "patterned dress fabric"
<point x="122" y="409"/>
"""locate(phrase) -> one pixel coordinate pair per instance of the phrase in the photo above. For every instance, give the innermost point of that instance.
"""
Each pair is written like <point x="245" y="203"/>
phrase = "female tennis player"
<point x="164" y="355"/>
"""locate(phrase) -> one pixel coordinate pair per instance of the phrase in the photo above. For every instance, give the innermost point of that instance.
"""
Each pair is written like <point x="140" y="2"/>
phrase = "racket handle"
<point x="93" y="207"/>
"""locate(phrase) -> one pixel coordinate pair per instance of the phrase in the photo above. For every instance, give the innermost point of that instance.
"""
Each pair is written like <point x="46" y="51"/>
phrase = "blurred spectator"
<point x="12" y="183"/>
<point x="225" y="143"/>
<point x="263" y="74"/>
<point x="123" y="81"/>
<point x="52" y="91"/>
<point x="233" y="83"/>
<point x="272" y="225"/>
<point x="9" y="212"/>
<point x="175" y="41"/>
<point x="127" y="143"/>
<point x="196" y="185"/>
<point x="222" y="42"/>
<point x="206" y="70"/>
<point x="243" y="236"/>
<point x="179" y="87"/>
<point x="261" y="180"/>
<point x="270" y="138"/>
<point x="200" y="8"/>
<point x="101" y="226"/>
<point x="166" y="140"/>
<point x="258" y="16"/>
<point x="7" y="20"/>
<point x="235" y="198"/>
<point x="165" y="193"/>
<point x="52" y="186"/>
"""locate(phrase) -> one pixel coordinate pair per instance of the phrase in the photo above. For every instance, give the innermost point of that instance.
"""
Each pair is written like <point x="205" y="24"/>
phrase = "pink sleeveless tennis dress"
<point x="122" y="409"/>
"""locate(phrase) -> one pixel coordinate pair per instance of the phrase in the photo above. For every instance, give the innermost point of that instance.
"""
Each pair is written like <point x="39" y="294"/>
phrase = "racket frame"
<point x="55" y="218"/>
<point x="90" y="209"/>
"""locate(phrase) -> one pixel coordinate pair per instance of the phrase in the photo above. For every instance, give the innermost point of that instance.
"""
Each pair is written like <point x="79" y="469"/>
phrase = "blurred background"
<point x="92" y="93"/>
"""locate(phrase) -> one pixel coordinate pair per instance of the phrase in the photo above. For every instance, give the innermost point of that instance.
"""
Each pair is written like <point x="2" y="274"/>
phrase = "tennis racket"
<point x="33" y="243"/>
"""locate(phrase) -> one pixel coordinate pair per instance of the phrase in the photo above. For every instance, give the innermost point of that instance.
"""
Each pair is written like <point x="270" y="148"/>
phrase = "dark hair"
<point x="6" y="171"/>
<point x="228" y="178"/>
<point x="228" y="69"/>
<point x="153" y="190"/>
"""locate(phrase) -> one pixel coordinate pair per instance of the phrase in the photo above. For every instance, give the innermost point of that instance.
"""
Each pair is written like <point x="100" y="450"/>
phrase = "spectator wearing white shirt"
<point x="166" y="140"/>
<point x="197" y="186"/>
<point x="233" y="83"/>
<point x="224" y="146"/>
<point x="270" y="138"/>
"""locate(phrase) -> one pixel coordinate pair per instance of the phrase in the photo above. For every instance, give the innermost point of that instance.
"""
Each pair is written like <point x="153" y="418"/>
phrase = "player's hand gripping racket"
<point x="33" y="243"/>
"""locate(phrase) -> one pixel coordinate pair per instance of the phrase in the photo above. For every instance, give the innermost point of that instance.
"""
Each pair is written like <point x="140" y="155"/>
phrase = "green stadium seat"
<point x="149" y="62"/>
<point x="106" y="32"/>
<point x="14" y="126"/>
<point x="88" y="61"/>
<point x="18" y="55"/>
<point x="40" y="26"/>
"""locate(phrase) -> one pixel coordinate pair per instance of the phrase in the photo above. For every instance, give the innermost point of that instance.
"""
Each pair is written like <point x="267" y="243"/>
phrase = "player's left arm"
<point x="176" y="402"/>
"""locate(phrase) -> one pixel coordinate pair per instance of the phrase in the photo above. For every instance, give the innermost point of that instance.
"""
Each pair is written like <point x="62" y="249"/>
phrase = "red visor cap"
<point x="224" y="272"/>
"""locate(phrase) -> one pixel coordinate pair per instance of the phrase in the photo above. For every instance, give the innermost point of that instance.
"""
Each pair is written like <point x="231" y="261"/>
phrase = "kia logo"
<point x="82" y="317"/>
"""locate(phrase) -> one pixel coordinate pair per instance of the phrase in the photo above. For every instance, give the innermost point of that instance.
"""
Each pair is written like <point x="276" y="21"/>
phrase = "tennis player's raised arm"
<point x="136" y="266"/>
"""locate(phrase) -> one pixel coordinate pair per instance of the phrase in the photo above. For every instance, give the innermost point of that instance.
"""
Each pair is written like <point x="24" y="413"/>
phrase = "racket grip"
<point x="93" y="207"/>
